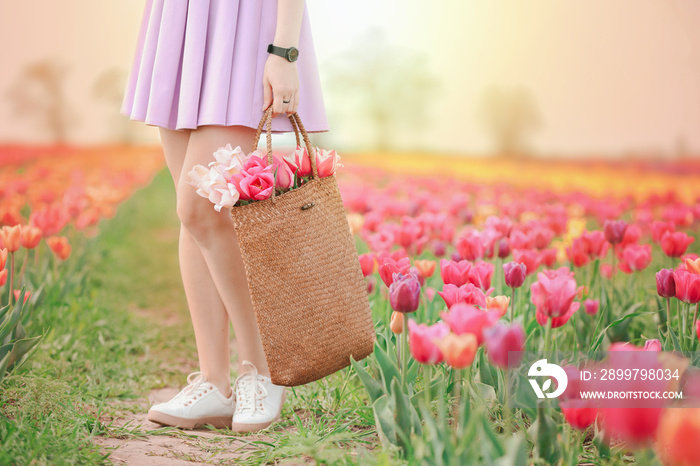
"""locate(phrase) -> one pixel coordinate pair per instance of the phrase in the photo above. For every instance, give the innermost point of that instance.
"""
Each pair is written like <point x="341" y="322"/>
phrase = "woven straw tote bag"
<point x="304" y="276"/>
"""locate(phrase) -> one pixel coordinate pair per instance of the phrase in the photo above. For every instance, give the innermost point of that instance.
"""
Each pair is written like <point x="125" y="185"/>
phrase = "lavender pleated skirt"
<point x="200" y="62"/>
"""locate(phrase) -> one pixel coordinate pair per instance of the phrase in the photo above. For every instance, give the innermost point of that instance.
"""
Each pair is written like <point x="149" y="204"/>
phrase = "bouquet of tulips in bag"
<point x="235" y="178"/>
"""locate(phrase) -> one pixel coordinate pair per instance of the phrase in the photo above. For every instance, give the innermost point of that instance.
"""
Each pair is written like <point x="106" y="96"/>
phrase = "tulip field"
<point x="475" y="268"/>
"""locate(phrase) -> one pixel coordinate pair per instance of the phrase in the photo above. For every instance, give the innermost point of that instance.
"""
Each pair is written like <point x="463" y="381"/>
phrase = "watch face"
<point x="292" y="54"/>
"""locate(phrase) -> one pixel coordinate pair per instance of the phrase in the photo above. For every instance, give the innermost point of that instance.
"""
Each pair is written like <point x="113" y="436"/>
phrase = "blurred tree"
<point x="390" y="87"/>
<point x="510" y="116"/>
<point x="38" y="94"/>
<point x="109" y="88"/>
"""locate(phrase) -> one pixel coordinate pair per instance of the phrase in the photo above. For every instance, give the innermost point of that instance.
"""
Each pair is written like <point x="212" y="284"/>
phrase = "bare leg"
<point x="213" y="232"/>
<point x="209" y="317"/>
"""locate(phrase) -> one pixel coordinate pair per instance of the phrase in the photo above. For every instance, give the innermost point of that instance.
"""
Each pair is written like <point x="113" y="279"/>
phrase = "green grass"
<point x="117" y="326"/>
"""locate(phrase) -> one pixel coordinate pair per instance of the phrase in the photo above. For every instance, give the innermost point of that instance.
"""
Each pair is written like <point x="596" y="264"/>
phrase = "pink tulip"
<point x="367" y="263"/>
<point x="659" y="228"/>
<point x="470" y="245"/>
<point x="687" y="286"/>
<point x="665" y="283"/>
<point x="455" y="272"/>
<point x="557" y="322"/>
<point x="284" y="175"/>
<point x="480" y="275"/>
<point x="579" y="413"/>
<point x="299" y="162"/>
<point x="503" y="248"/>
<point x="388" y="266"/>
<point x="502" y="340"/>
<point x="514" y="274"/>
<point x="652" y="345"/>
<point x="635" y="257"/>
<point x="458" y="350"/>
<point x="675" y="244"/>
<point x="420" y="341"/>
<point x="468" y="294"/>
<point x="326" y="162"/>
<point x="466" y="318"/>
<point x="597" y="246"/>
<point x="591" y="306"/>
<point x="578" y="252"/>
<point x="554" y="291"/>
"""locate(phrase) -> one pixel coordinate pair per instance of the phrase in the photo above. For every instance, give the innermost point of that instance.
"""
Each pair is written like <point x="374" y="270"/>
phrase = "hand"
<point x="280" y="84"/>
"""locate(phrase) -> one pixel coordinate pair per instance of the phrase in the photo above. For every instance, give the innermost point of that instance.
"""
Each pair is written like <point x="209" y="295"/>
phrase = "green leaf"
<point x="388" y="368"/>
<point x="491" y="435"/>
<point x="599" y="339"/>
<point x="544" y="431"/>
<point x="373" y="387"/>
<point x="676" y="344"/>
<point x="404" y="420"/>
<point x="516" y="452"/>
<point x="384" y="419"/>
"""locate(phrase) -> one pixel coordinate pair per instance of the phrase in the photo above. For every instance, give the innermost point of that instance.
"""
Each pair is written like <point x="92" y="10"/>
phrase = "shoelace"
<point x="250" y="390"/>
<point x="197" y="386"/>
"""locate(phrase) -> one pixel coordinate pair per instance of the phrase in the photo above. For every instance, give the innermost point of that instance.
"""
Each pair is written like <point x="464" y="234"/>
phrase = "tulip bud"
<point x="30" y="236"/>
<point x="591" y="306"/>
<point x="652" y="345"/>
<point x="439" y="248"/>
<point x="370" y="284"/>
<point x="59" y="245"/>
<point x="665" y="284"/>
<point x="396" y="324"/>
<point x="514" y="274"/>
<point x="27" y="294"/>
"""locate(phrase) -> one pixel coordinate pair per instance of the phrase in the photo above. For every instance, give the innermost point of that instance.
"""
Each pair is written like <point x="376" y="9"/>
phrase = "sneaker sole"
<point x="242" y="427"/>
<point x="218" y="422"/>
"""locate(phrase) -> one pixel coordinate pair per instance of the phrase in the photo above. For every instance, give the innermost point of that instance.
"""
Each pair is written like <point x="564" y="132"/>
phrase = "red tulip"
<point x="503" y="248"/>
<point x="675" y="244"/>
<point x="3" y="277"/>
<point x="3" y="258"/>
<point x="420" y="341"/>
<point x="579" y="413"/>
<point x="514" y="274"/>
<point x="27" y="294"/>
<point x="548" y="257"/>
<point x="502" y="340"/>
<point x="687" y="286"/>
<point x="659" y="228"/>
<point x="542" y="237"/>
<point x="455" y="272"/>
<point x="468" y="294"/>
<point x="465" y="318"/>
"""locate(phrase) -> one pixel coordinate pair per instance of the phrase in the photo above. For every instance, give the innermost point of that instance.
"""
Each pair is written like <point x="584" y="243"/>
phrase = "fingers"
<point x="267" y="94"/>
<point x="284" y="103"/>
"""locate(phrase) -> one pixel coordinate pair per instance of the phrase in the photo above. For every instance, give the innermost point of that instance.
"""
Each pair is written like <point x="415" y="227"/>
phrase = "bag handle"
<point x="298" y="126"/>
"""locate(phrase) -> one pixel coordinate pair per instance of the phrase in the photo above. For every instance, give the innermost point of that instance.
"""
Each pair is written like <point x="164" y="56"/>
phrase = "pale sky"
<point x="608" y="76"/>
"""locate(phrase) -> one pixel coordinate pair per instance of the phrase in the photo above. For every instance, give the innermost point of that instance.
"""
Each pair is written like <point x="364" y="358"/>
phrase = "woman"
<point x="204" y="72"/>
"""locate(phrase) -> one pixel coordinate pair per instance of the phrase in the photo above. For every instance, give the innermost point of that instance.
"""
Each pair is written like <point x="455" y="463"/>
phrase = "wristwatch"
<point x="291" y="54"/>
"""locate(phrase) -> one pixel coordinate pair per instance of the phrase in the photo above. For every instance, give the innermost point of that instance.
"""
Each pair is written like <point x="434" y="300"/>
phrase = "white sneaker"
<point x="197" y="404"/>
<point x="258" y="401"/>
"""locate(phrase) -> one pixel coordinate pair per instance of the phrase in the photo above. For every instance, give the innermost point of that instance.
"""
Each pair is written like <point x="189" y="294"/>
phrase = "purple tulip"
<point x="614" y="230"/>
<point x="404" y="292"/>
<point x="503" y="248"/>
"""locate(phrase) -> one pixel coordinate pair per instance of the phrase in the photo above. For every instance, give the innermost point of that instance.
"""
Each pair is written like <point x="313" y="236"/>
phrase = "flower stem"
<point x="512" y="305"/>
<point x="404" y="354"/>
<point x="12" y="276"/>
<point x="547" y="332"/>
<point x="457" y="373"/>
